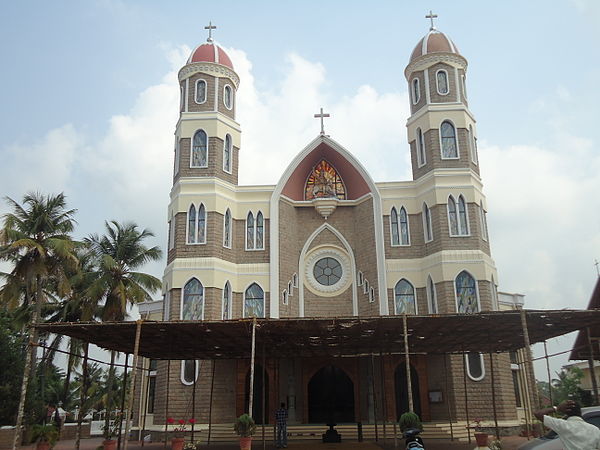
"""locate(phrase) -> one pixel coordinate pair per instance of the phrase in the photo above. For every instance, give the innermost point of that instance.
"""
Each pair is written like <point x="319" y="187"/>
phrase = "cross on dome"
<point x="210" y="27"/>
<point x="431" y="16"/>
<point x="322" y="115"/>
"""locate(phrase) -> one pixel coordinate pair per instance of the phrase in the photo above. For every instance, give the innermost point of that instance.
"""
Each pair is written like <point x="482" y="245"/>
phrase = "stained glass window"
<point x="254" y="301"/>
<point x="466" y="293"/>
<point x="200" y="91"/>
<point x="260" y="227"/>
<point x="442" y="82"/>
<point x="192" y="225"/>
<point x="324" y="182"/>
<point x="404" y="234"/>
<point x="404" y="295"/>
<point x="395" y="228"/>
<point x="452" y="216"/>
<point x="462" y="216"/>
<point x="199" y="150"/>
<point x="227" y="151"/>
<point x="431" y="296"/>
<point x="427" y="227"/>
<point x="415" y="92"/>
<point x="193" y="300"/>
<point x="250" y="230"/>
<point x="449" y="146"/>
<point x="327" y="271"/>
<point x="420" y="148"/>
<point x="226" y="301"/>
<point x="227" y="229"/>
<point x="201" y="224"/>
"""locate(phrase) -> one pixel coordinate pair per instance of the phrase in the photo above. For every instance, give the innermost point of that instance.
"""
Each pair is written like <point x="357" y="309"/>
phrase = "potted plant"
<point x="480" y="437"/>
<point x="190" y="446"/>
<point x="495" y="445"/>
<point x="109" y="431"/>
<point x="409" y="420"/>
<point x="45" y="436"/>
<point x="178" y="439"/>
<point x="245" y="427"/>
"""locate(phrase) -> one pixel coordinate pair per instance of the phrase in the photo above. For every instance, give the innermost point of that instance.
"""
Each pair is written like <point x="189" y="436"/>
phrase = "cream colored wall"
<point x="214" y="123"/>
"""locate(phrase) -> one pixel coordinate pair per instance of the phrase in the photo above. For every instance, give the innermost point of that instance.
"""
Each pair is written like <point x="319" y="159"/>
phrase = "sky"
<point x="89" y="103"/>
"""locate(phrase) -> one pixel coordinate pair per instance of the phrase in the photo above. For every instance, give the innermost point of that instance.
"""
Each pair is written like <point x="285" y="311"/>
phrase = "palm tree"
<point x="35" y="239"/>
<point x="118" y="254"/>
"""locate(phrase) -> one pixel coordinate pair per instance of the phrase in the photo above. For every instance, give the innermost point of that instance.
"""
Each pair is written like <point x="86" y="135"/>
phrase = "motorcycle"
<point x="413" y="440"/>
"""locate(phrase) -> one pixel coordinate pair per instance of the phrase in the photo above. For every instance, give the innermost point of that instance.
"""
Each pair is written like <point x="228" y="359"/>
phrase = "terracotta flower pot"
<point x="177" y="443"/>
<point x="481" y="439"/>
<point x="245" y="443"/>
<point x="109" y="444"/>
<point x="43" y="446"/>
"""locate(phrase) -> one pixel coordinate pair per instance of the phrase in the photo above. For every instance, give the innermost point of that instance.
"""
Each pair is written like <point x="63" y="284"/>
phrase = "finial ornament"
<point x="210" y="27"/>
<point x="596" y="263"/>
<point x="431" y="16"/>
<point x="322" y="115"/>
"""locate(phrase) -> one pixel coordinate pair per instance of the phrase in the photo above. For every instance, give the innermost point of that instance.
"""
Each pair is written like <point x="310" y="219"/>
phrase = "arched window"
<point x="172" y="232"/>
<point x="361" y="278"/>
<point x="395" y="228"/>
<point x="463" y="222"/>
<point x="464" y="86"/>
<point x="495" y="305"/>
<point x="295" y="280"/>
<point x="227" y="153"/>
<point x="475" y="367"/>
<point x="452" y="216"/>
<point x="404" y="298"/>
<point x="227" y="225"/>
<point x="466" y="293"/>
<point x="191" y="225"/>
<point x="284" y="297"/>
<point x="254" y="301"/>
<point x="483" y="223"/>
<point x="181" y="98"/>
<point x="199" y="150"/>
<point x="441" y="78"/>
<point x="189" y="371"/>
<point x="290" y="289"/>
<point x="421" y="158"/>
<point x="431" y="296"/>
<point x="473" y="145"/>
<point x="192" y="303"/>
<point x="324" y="182"/>
<point x="372" y="295"/>
<point x="366" y="287"/>
<point x="201" y="224"/>
<point x="255" y="231"/>
<point x="200" y="91"/>
<point x="228" y="96"/>
<point x="449" y="144"/>
<point x="176" y="162"/>
<point x="404" y="231"/>
<point x="250" y="231"/>
<point x="167" y="304"/>
<point x="416" y="93"/>
<point x="226" y="301"/>
<point x="427" y="226"/>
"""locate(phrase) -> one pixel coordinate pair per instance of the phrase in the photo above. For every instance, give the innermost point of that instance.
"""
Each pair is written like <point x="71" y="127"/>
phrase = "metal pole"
<point x="591" y="365"/>
<point x="407" y="358"/>
<point x="252" y="351"/>
<point x="123" y="401"/>
<point x="464" y="362"/>
<point x="494" y="397"/>
<point x="82" y="394"/>
<point x="548" y="371"/>
<point x="528" y="353"/>
<point x="448" y="396"/>
<point x="383" y="396"/>
<point x="194" y="398"/>
<point x="167" y="402"/>
<point x="212" y="387"/>
<point x="264" y="371"/>
<point x="147" y="394"/>
<point x="374" y="395"/>
<point x="136" y="348"/>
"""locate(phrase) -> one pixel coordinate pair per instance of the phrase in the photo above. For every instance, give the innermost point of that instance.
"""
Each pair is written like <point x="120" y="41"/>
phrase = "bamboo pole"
<point x="548" y="371"/>
<point x="167" y="402"/>
<point x="263" y="373"/>
<point x="383" y="396"/>
<point x="212" y="388"/>
<point x="531" y="397"/>
<point x="146" y="394"/>
<point x="136" y="348"/>
<point x="123" y="401"/>
<point x="252" y="351"/>
<point x="411" y="406"/>
<point x="464" y="362"/>
<point x="494" y="397"/>
<point x="374" y="395"/>
<point x="194" y="396"/>
<point x="82" y="394"/>
<point x="448" y="396"/>
<point x="591" y="366"/>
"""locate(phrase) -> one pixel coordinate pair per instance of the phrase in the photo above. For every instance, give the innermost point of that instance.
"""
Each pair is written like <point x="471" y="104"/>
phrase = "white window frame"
<point x="420" y="141"/>
<point x="464" y="86"/>
<point x="476" y="291"/>
<point x="182" y="98"/>
<point x="229" y="315"/>
<point x="200" y="240"/>
<point x="230" y="153"/>
<point x="172" y="232"/>
<point x="181" y="300"/>
<point x="392" y="211"/>
<point x="494" y="289"/>
<point x="455" y="138"/>
<point x="189" y="383"/>
<point x="416" y="95"/>
<point x="290" y="289"/>
<point x="225" y="243"/>
<point x="458" y="217"/>
<point x="167" y="304"/>
<point x="295" y="280"/>
<point x="372" y="295"/>
<point x="361" y="278"/>
<point x="192" y="149"/>
<point x="427" y="223"/>
<point x="230" y="107"/>
<point x="483" y="223"/>
<point x="400" y="226"/>
<point x="196" y="91"/>
<point x="244" y="300"/>
<point x="431" y="295"/>
<point x="414" y="292"/>
<point x="366" y="286"/>
<point x="437" y="85"/>
<point x="254" y="247"/>
<point x="473" y="145"/>
<point x="284" y="297"/>
<point x="469" y="367"/>
<point x="177" y="151"/>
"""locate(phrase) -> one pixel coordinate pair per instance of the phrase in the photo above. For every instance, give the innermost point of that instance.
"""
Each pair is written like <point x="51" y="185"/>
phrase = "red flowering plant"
<point x="180" y="429"/>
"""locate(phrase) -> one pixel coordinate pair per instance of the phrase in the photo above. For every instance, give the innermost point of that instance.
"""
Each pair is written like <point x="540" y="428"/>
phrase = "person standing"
<point x="281" y="417"/>
<point x="574" y="432"/>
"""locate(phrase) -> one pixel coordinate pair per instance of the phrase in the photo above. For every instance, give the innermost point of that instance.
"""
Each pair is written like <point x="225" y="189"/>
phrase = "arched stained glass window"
<point x="200" y="91"/>
<point x="466" y="293"/>
<point x="227" y="229"/>
<point x="199" y="150"/>
<point x="462" y="216"/>
<point x="226" y="301"/>
<point x="431" y="296"/>
<point x="227" y="152"/>
<point x="427" y="226"/>
<point x="228" y="96"/>
<point x="254" y="301"/>
<point x="395" y="227"/>
<point x="442" y="82"/>
<point x="192" y="225"/>
<point x="193" y="301"/>
<point x="250" y="231"/>
<point x="404" y="298"/>
<point x="449" y="144"/>
<point x="201" y="224"/>
<point x="324" y="182"/>
<point x="421" y="158"/>
<point x="260" y="231"/>
<point x="452" y="216"/>
<point x="404" y="232"/>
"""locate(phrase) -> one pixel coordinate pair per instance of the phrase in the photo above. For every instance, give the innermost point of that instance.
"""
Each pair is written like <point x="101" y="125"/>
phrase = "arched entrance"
<point x="330" y="396"/>
<point x="257" y="402"/>
<point x="400" y="387"/>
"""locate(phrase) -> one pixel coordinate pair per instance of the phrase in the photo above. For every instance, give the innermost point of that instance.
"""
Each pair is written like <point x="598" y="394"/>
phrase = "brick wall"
<point x="215" y="161"/>
<point x="423" y="98"/>
<point x="451" y="96"/>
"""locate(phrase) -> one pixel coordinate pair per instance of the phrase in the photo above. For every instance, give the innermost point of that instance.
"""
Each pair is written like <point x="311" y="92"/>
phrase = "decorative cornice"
<point x="211" y="68"/>
<point x="425" y="61"/>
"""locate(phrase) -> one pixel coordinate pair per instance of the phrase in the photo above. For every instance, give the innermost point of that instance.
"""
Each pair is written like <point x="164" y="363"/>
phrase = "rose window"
<point x="327" y="271"/>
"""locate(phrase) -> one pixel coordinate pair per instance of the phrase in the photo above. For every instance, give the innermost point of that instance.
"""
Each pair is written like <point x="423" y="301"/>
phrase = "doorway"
<point x="330" y="396"/>
<point x="257" y="402"/>
<point x="400" y="387"/>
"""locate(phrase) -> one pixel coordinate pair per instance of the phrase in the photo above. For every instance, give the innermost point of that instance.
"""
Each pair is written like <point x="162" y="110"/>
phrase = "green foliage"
<point x="409" y="420"/>
<point x="11" y="356"/>
<point x="567" y="386"/>
<point x="244" y="426"/>
<point x="45" y="433"/>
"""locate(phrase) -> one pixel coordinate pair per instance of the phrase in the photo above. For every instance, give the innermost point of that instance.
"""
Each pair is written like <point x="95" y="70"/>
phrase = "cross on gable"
<point x="321" y="116"/>
<point x="210" y="27"/>
<point x="431" y="16"/>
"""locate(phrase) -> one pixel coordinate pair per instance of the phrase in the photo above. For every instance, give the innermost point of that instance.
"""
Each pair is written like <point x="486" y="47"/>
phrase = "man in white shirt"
<point x="574" y="432"/>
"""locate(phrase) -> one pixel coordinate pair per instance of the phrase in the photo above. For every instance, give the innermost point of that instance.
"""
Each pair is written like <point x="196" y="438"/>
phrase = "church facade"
<point x="329" y="241"/>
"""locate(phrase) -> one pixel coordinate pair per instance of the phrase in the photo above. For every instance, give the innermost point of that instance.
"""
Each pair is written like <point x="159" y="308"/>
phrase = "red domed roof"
<point x="210" y="52"/>
<point x="434" y="42"/>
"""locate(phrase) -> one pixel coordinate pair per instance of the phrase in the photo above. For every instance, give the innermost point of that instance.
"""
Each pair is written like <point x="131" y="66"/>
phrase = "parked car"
<point x="550" y="440"/>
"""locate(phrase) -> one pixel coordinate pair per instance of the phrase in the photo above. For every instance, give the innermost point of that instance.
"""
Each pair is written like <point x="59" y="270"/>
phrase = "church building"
<point x="329" y="241"/>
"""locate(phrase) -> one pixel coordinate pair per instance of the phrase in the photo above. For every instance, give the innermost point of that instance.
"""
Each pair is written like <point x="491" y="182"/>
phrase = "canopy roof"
<point x="581" y="349"/>
<point x="311" y="337"/>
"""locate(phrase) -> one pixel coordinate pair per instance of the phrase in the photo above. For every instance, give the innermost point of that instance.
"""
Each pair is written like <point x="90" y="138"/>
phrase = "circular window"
<point x="327" y="271"/>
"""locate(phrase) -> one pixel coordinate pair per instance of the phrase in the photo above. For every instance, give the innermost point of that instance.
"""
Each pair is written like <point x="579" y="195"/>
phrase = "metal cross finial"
<point x="431" y="16"/>
<point x="596" y="263"/>
<point x="322" y="115"/>
<point x="210" y="27"/>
